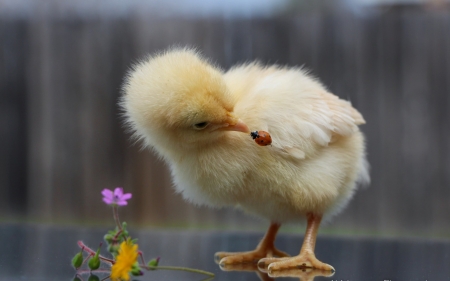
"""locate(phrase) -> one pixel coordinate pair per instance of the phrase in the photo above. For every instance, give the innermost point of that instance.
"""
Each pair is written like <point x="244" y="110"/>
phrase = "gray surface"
<point x="31" y="252"/>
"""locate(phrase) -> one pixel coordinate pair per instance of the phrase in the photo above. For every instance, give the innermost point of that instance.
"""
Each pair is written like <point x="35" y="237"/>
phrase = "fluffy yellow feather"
<point x="197" y="118"/>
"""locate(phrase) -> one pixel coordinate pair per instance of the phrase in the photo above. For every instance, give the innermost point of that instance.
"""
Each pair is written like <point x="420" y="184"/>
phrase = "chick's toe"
<point x="265" y="248"/>
<point x="305" y="260"/>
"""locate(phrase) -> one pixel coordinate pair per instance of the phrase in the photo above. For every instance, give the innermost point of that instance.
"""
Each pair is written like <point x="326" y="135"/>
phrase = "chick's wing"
<point x="317" y="119"/>
<point x="298" y="112"/>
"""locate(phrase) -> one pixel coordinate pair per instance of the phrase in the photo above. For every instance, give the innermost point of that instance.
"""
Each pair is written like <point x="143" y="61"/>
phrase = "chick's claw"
<point x="252" y="267"/>
<point x="306" y="260"/>
<point x="265" y="248"/>
<point x="225" y="258"/>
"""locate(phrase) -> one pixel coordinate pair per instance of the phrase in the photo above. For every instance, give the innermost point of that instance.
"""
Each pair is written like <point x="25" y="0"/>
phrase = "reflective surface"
<point x="33" y="252"/>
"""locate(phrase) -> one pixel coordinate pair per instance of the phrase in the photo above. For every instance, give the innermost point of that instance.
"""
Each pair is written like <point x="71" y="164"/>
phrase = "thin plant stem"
<point x="92" y="253"/>
<point x="116" y="216"/>
<point x="117" y="235"/>
<point x="141" y="254"/>
<point x="187" y="269"/>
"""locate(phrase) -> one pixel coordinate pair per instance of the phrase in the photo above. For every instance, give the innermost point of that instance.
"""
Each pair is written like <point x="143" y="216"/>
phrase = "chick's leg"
<point x="265" y="248"/>
<point x="306" y="258"/>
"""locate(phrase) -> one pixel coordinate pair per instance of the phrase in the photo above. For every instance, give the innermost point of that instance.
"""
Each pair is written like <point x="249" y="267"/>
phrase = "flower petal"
<point x="107" y="193"/>
<point x="118" y="192"/>
<point x="126" y="196"/>
<point x="108" y="201"/>
<point x="122" y="203"/>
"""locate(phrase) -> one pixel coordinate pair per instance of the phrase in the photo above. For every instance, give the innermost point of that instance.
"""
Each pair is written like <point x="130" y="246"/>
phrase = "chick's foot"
<point x="227" y="258"/>
<point x="305" y="260"/>
<point x="266" y="248"/>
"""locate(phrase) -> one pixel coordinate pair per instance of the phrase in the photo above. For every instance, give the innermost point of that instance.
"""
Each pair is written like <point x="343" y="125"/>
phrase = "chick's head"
<point x="178" y="100"/>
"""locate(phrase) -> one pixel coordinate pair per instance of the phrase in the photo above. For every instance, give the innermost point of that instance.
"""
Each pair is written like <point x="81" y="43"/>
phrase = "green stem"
<point x="179" y="268"/>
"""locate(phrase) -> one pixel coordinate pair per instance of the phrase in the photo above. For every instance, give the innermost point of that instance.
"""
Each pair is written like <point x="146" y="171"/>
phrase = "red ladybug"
<point x="262" y="138"/>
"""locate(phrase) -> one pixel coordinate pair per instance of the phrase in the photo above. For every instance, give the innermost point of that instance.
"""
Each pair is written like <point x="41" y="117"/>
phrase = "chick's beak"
<point x="235" y="124"/>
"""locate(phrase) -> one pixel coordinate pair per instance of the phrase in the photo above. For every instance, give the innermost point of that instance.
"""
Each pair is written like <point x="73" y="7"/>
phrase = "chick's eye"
<point x="201" y="125"/>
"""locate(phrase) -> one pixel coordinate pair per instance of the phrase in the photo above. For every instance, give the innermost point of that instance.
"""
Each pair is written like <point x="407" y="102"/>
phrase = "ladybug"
<point x="262" y="138"/>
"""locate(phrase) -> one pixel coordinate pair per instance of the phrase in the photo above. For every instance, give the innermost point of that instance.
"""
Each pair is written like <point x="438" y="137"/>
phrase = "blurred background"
<point x="62" y="64"/>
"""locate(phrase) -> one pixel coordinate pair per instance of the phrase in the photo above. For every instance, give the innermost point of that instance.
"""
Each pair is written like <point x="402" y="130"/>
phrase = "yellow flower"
<point x="128" y="254"/>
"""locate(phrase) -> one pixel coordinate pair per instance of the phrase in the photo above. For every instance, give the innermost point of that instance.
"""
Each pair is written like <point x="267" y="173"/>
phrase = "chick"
<point x="197" y="118"/>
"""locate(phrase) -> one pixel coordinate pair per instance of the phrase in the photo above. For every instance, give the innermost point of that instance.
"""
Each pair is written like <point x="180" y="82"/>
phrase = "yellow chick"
<point x="197" y="118"/>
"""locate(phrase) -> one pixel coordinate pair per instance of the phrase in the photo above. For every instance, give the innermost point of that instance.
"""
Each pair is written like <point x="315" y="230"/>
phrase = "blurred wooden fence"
<point x="62" y="141"/>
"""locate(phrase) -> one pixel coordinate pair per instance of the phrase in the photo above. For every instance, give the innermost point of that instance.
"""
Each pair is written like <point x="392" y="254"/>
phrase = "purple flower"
<point x="115" y="198"/>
